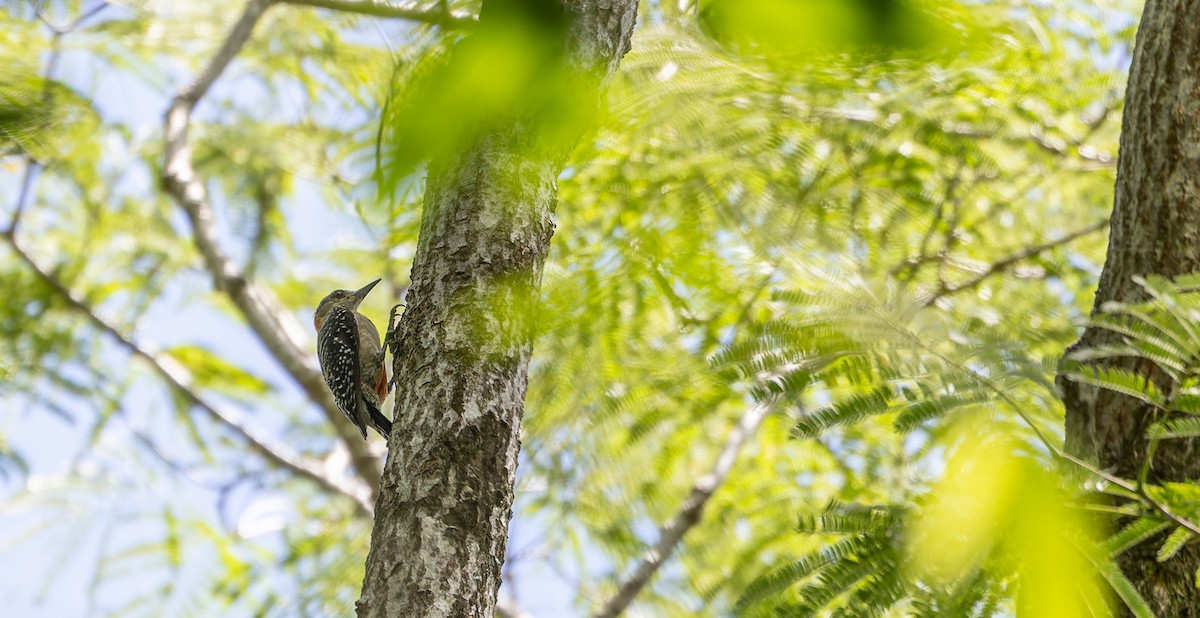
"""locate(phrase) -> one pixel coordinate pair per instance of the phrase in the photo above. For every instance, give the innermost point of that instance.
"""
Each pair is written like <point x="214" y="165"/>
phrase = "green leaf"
<point x="1135" y="349"/>
<point x="845" y="412"/>
<point x="785" y="29"/>
<point x="1135" y="532"/>
<point x="1175" y="542"/>
<point x="1169" y="298"/>
<point x="1188" y="403"/>
<point x="1175" y="428"/>
<point x="1123" y="587"/>
<point x="779" y="579"/>
<point x="913" y="415"/>
<point x="1182" y="498"/>
<point x="1121" y="381"/>
<point x="841" y="576"/>
<point x="852" y="519"/>
<point x="211" y="371"/>
<point x="1147" y="329"/>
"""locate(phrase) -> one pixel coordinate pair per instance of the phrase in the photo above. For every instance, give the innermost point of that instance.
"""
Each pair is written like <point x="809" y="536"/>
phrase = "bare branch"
<point x="31" y="171"/>
<point x="233" y="44"/>
<point x="438" y="15"/>
<point x="279" y="332"/>
<point x="689" y="512"/>
<point x="32" y="166"/>
<point x="1000" y="266"/>
<point x="1060" y="147"/>
<point x="176" y="377"/>
<point x="75" y="23"/>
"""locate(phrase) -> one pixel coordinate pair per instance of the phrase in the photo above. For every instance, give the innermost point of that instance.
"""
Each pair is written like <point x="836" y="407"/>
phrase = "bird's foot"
<point x="390" y="341"/>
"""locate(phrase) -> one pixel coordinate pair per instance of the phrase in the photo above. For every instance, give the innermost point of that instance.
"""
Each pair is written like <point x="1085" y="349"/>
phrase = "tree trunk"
<point x="441" y="521"/>
<point x="1155" y="230"/>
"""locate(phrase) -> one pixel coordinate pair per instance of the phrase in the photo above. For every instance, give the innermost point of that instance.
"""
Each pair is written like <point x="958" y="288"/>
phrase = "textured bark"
<point x="1155" y="229"/>
<point x="441" y="524"/>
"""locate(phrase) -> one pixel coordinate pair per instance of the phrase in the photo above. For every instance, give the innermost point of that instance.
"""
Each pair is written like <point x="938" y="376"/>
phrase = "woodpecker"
<point x="352" y="359"/>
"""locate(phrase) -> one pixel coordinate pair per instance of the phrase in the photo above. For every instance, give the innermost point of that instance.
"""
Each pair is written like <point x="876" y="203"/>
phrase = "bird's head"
<point x="341" y="298"/>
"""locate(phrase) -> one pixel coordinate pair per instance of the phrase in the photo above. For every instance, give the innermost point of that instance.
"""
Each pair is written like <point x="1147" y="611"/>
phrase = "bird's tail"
<point x="378" y="420"/>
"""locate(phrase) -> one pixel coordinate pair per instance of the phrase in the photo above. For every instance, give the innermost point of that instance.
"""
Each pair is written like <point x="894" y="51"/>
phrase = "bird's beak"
<point x="362" y="293"/>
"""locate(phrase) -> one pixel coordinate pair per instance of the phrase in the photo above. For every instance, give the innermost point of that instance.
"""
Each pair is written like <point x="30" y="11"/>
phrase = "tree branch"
<point x="167" y="368"/>
<point x="32" y="165"/>
<point x="438" y="15"/>
<point x="31" y="170"/>
<point x="689" y="512"/>
<point x="1000" y="266"/>
<point x="75" y="23"/>
<point x="175" y="375"/>
<point x="278" y="331"/>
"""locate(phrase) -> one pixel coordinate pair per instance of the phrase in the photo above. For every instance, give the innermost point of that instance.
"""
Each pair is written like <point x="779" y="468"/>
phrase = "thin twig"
<point x="278" y="331"/>
<point x="910" y="264"/>
<point x="148" y="443"/>
<point x="75" y="23"/>
<point x="176" y="377"/>
<point x="237" y="38"/>
<point x="1169" y="514"/>
<point x="1004" y="264"/>
<point x="166" y="367"/>
<point x="437" y="15"/>
<point x="689" y="512"/>
<point x="33" y="166"/>
<point x="31" y="170"/>
<point x="939" y="212"/>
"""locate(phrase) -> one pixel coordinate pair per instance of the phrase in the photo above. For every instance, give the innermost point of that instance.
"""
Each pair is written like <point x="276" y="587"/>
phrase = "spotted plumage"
<point x="352" y="359"/>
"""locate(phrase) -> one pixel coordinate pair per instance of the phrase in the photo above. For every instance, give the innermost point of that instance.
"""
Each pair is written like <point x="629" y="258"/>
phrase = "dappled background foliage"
<point x="888" y="236"/>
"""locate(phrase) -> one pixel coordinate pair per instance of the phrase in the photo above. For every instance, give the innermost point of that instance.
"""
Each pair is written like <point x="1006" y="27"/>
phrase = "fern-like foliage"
<point x="1159" y="332"/>
<point x="868" y="571"/>
<point x="870" y="353"/>
<point x="878" y="352"/>
<point x="1162" y="330"/>
<point x="865" y="564"/>
<point x="864" y="573"/>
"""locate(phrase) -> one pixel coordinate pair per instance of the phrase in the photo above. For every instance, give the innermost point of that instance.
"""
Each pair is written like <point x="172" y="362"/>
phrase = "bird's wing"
<point x="337" y="344"/>
<point x="368" y="340"/>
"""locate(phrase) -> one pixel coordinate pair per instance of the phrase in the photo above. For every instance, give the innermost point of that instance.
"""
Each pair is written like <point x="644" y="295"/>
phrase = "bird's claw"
<point x="389" y="340"/>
